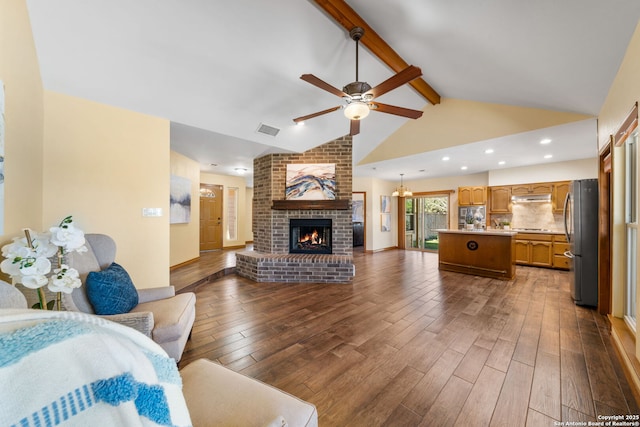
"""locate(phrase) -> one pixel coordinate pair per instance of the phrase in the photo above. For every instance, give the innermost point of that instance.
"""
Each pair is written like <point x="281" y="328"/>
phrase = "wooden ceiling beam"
<point x="345" y="16"/>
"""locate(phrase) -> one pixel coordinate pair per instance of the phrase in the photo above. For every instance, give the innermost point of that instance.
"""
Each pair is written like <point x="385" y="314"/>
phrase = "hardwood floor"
<point x="408" y="345"/>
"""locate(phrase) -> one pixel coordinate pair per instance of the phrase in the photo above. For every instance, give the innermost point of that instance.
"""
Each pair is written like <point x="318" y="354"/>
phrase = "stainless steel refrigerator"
<point x="581" y="229"/>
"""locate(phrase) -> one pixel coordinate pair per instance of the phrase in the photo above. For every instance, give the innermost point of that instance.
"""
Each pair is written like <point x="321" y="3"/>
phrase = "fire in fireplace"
<point x="310" y="236"/>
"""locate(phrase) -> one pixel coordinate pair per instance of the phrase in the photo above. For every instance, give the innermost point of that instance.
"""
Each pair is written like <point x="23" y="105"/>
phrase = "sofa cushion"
<point x="171" y="316"/>
<point x="111" y="290"/>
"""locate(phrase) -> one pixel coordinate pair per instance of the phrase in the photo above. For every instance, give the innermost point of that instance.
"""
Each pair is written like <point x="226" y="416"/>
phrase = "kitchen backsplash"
<point x="532" y="215"/>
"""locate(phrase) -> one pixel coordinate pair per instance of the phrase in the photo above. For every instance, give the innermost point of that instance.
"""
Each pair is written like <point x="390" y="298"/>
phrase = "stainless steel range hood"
<point x="531" y="198"/>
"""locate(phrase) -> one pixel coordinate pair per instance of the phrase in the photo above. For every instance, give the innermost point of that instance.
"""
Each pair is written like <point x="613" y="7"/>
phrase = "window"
<point x="232" y="213"/>
<point x="631" y="225"/>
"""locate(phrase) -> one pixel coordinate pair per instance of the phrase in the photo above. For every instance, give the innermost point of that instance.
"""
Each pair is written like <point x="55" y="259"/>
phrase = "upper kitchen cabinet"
<point x="468" y="196"/>
<point x="560" y="190"/>
<point x="526" y="189"/>
<point x="500" y="199"/>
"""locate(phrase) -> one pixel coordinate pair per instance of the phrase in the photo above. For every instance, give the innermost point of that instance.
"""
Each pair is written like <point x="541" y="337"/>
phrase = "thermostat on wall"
<point x="151" y="211"/>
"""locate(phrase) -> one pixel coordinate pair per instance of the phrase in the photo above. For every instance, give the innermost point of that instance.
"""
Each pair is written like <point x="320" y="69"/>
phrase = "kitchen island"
<point x="487" y="253"/>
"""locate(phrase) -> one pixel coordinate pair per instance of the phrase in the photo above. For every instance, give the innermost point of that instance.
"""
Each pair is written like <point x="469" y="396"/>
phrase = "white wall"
<point x="559" y="171"/>
<point x="374" y="188"/>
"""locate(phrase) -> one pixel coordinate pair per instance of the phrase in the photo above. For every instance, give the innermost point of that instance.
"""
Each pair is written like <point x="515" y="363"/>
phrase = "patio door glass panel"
<point x="424" y="215"/>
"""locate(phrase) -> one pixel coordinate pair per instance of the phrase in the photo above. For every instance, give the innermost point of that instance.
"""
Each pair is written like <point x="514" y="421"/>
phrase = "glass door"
<point x="423" y="215"/>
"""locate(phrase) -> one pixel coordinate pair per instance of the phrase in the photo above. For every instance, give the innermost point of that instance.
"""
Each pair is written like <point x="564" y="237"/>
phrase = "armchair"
<point x="162" y="315"/>
<point x="10" y="297"/>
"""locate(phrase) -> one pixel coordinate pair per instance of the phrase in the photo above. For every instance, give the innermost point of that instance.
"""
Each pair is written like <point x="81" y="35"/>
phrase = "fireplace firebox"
<point x="310" y="236"/>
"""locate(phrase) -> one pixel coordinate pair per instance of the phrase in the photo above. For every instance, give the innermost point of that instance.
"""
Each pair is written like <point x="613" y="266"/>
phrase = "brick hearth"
<point x="270" y="260"/>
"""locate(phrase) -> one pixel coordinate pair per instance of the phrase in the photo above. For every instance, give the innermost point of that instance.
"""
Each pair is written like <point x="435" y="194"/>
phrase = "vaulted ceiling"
<point x="220" y="70"/>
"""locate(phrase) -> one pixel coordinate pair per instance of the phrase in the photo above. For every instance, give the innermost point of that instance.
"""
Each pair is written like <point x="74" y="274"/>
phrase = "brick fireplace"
<point x="272" y="260"/>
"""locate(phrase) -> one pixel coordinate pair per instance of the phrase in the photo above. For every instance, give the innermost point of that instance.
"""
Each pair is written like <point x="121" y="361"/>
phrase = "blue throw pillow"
<point x="111" y="290"/>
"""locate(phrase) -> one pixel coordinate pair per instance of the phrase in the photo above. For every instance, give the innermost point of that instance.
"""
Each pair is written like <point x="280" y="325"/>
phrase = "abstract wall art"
<point x="180" y="202"/>
<point x="311" y="181"/>
<point x="385" y="204"/>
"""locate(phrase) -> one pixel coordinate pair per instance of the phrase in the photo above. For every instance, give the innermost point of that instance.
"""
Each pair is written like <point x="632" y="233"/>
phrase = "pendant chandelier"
<point x="402" y="191"/>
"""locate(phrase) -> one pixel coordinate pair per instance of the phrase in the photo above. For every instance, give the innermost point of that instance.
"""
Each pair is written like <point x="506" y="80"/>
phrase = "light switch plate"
<point x="151" y="211"/>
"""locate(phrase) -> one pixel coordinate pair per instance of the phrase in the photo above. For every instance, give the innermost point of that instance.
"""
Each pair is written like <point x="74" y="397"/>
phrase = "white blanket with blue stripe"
<point x="72" y="369"/>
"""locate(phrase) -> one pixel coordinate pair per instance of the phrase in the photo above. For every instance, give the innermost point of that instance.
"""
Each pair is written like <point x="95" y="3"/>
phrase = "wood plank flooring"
<point x="408" y="345"/>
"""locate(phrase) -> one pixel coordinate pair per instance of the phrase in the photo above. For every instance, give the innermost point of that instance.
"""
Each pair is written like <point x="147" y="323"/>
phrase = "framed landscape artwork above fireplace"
<point x="311" y="181"/>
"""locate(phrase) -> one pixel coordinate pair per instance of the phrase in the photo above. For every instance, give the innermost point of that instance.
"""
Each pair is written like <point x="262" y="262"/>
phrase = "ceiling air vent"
<point x="268" y="130"/>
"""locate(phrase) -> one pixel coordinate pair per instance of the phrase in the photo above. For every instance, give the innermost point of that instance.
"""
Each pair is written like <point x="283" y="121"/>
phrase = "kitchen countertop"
<point x="524" y="230"/>
<point x="491" y="232"/>
<point x="500" y="231"/>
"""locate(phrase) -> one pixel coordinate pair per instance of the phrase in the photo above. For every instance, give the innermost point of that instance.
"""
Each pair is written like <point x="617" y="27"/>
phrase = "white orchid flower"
<point x="18" y="248"/>
<point x="28" y="262"/>
<point x="42" y="245"/>
<point x="68" y="237"/>
<point x="38" y="267"/>
<point x="11" y="268"/>
<point x="64" y="280"/>
<point x="34" y="281"/>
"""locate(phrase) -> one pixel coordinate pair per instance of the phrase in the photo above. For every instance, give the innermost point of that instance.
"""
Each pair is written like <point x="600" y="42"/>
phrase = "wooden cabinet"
<point x="487" y="254"/>
<point x="560" y="246"/>
<point x="527" y="189"/>
<point x="500" y="199"/>
<point x="560" y="190"/>
<point x="468" y="196"/>
<point x="534" y="249"/>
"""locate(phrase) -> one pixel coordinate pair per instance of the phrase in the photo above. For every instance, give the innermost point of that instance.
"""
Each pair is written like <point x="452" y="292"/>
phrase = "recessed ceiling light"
<point x="213" y="164"/>
<point x="445" y="158"/>
<point x="548" y="156"/>
<point x="501" y="162"/>
<point x="241" y="171"/>
<point x="300" y="124"/>
<point x="464" y="168"/>
<point x="421" y="170"/>
<point x="545" y="141"/>
<point x="488" y="151"/>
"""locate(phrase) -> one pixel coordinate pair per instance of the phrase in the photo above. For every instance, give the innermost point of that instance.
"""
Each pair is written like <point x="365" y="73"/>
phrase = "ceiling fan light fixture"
<point x="356" y="110"/>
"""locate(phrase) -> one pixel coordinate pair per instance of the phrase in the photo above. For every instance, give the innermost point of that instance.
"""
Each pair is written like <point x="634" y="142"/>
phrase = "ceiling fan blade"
<point x="310" y="78"/>
<point x="355" y="127"/>
<point x="319" y="113"/>
<point x="404" y="76"/>
<point x="398" y="111"/>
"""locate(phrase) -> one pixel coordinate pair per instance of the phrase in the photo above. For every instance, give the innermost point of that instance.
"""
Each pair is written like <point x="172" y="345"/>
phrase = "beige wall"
<point x="457" y="122"/>
<point x="103" y="165"/>
<point x="20" y="74"/>
<point x="185" y="238"/>
<point x="624" y="92"/>
<point x="244" y="213"/>
<point x="558" y="171"/>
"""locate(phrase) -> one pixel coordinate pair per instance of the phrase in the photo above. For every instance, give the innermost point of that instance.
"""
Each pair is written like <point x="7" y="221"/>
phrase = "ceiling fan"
<point x="359" y="96"/>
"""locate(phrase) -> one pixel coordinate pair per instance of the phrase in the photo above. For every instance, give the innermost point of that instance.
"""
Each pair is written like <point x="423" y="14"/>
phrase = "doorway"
<point x="210" y="217"/>
<point x="423" y="215"/>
